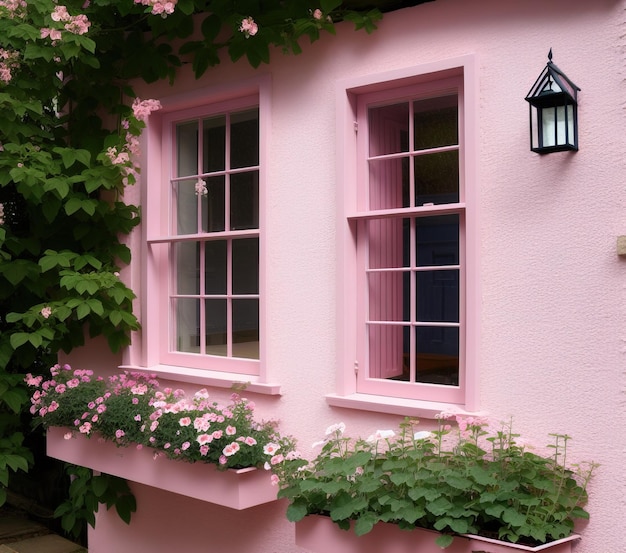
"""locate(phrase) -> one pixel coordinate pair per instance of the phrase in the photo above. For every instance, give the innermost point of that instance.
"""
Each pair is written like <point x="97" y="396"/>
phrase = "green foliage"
<point x="87" y="492"/>
<point x="68" y="138"/>
<point x="468" y="482"/>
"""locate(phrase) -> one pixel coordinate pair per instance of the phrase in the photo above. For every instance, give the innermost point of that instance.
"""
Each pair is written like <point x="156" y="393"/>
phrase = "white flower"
<point x="381" y="435"/>
<point x="336" y="428"/>
<point x="422" y="435"/>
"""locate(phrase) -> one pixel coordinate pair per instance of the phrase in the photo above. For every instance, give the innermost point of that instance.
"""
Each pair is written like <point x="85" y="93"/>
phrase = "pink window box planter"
<point x="237" y="489"/>
<point x="319" y="534"/>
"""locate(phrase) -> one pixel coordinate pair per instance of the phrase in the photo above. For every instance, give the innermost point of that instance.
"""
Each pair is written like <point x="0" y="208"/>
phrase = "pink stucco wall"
<point x="552" y="308"/>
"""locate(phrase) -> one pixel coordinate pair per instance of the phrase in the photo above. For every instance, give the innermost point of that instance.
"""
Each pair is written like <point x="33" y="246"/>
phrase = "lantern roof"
<point x="552" y="84"/>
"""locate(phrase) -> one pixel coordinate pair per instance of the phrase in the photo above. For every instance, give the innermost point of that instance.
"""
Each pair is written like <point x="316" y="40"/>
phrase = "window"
<point x="208" y="246"/>
<point x="405" y="241"/>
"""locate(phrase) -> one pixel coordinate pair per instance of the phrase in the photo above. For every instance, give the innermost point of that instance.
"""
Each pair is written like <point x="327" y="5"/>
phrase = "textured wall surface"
<point x="552" y="337"/>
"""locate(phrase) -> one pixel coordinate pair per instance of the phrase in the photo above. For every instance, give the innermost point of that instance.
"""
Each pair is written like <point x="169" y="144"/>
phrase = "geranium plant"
<point x="131" y="409"/>
<point x="463" y="478"/>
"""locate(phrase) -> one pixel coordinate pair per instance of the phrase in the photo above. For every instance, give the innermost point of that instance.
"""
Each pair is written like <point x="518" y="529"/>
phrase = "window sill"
<point x="395" y="406"/>
<point x="204" y="377"/>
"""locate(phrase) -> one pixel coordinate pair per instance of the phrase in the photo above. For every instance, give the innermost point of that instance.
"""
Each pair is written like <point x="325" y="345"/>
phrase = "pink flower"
<point x="274" y="480"/>
<point x="67" y="436"/>
<point x="60" y="388"/>
<point x="249" y="27"/>
<point x="271" y="448"/>
<point x="46" y="312"/>
<point x="223" y="460"/>
<point x="231" y="431"/>
<point x="137" y="418"/>
<point x="53" y="406"/>
<point x="203" y="439"/>
<point x="317" y="14"/>
<point x="143" y="108"/>
<point x="231" y="449"/>
<point x="85" y="428"/>
<point x="185" y="446"/>
<point x="185" y="421"/>
<point x="119" y="433"/>
<point x="249" y="440"/>
<point x="277" y="459"/>
<point x="204" y="449"/>
<point x="73" y="383"/>
<point x="33" y="380"/>
<point x="217" y="434"/>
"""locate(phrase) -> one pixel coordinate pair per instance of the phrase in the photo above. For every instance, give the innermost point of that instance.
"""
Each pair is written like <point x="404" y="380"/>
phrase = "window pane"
<point x="186" y="207"/>
<point x="244" y="200"/>
<point x="437" y="240"/>
<point x="216" y="334"/>
<point x="435" y="122"/>
<point x="437" y="359"/>
<point x="389" y="183"/>
<point x="213" y="210"/>
<point x="187" y="312"/>
<point x="215" y="267"/>
<point x="187" y="149"/>
<point x="437" y="178"/>
<point x="389" y="129"/>
<point x="214" y="144"/>
<point x="438" y="296"/>
<point x="244" y="139"/>
<point x="246" y="328"/>
<point x="187" y="262"/>
<point x="246" y="266"/>
<point x="387" y="357"/>
<point x="388" y="241"/>
<point x="388" y="294"/>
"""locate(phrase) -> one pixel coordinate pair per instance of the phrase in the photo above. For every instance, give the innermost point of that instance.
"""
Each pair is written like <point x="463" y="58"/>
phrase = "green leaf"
<point x="444" y="540"/>
<point x="99" y="485"/>
<point x="19" y="339"/>
<point x="296" y="511"/>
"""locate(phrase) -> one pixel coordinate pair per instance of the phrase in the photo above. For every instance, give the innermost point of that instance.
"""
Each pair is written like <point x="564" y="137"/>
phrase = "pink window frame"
<point x="353" y="381"/>
<point x="152" y="349"/>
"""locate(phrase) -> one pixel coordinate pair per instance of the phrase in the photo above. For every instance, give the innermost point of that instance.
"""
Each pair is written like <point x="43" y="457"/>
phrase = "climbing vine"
<point x="69" y="128"/>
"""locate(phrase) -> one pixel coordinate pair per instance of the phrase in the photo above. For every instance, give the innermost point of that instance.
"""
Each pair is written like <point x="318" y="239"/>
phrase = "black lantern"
<point x="553" y="111"/>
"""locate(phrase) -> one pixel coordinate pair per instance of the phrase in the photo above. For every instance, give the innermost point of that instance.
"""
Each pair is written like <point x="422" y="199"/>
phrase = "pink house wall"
<point x="552" y="290"/>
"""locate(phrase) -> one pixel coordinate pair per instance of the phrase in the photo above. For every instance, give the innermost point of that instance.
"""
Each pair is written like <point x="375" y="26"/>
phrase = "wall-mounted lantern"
<point x="553" y="111"/>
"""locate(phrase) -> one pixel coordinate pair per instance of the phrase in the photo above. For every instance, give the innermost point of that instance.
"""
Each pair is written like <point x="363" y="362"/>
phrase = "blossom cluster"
<point x="1" y="214"/>
<point x="249" y="27"/>
<point x="143" y="108"/>
<point x="13" y="8"/>
<point x="75" y="24"/>
<point x="159" y="7"/>
<point x="131" y="408"/>
<point x="8" y="61"/>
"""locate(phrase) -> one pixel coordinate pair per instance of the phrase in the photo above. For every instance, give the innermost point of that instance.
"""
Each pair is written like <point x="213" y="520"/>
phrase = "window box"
<point x="237" y="489"/>
<point x="320" y="534"/>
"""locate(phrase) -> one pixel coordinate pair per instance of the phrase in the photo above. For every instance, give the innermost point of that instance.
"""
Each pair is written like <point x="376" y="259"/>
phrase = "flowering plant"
<point x="130" y="408"/>
<point x="467" y="480"/>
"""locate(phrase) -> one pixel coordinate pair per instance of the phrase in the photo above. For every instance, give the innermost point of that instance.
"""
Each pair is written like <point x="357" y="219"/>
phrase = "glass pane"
<point x="437" y="360"/>
<point x="389" y="129"/>
<point x="246" y="266"/>
<point x="388" y="243"/>
<point x="187" y="255"/>
<point x="187" y="312"/>
<point x="388" y="347"/>
<point x="213" y="205"/>
<point x="186" y="207"/>
<point x="438" y="296"/>
<point x="215" y="267"/>
<point x="437" y="178"/>
<point x="388" y="293"/>
<point x="389" y="183"/>
<point x="246" y="328"/>
<point x="187" y="149"/>
<point x="216" y="335"/>
<point x="244" y="200"/>
<point x="437" y="240"/>
<point x="244" y="139"/>
<point x="435" y="122"/>
<point x="214" y="144"/>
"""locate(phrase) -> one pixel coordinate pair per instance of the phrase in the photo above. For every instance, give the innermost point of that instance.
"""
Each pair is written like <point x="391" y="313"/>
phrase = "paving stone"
<point x="14" y="528"/>
<point x="44" y="544"/>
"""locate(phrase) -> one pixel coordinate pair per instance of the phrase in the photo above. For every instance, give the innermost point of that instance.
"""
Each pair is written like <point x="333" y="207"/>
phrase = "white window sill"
<point x="204" y="377"/>
<point x="395" y="406"/>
